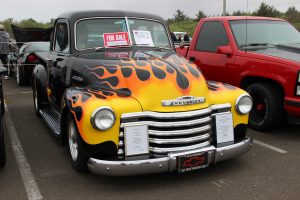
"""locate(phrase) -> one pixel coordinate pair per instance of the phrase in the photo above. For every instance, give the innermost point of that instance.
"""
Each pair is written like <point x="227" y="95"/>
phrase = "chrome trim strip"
<point x="180" y="132"/>
<point x="171" y="115"/>
<point x="164" y="164"/>
<point x="169" y="124"/>
<point x="159" y="150"/>
<point x="180" y="140"/>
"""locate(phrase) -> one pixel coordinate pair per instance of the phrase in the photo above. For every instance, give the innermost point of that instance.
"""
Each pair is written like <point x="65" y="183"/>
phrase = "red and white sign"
<point x="116" y="39"/>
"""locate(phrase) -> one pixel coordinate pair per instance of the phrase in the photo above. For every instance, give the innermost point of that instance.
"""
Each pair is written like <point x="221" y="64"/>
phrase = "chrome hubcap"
<point x="73" y="145"/>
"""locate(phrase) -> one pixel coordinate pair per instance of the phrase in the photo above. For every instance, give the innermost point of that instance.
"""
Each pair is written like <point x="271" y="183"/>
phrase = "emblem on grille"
<point x="185" y="100"/>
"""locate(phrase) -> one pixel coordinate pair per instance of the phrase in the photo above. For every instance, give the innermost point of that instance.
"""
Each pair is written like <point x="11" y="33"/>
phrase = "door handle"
<point x="192" y="59"/>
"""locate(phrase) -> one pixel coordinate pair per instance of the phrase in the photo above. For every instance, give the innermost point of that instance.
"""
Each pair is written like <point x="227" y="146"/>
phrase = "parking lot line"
<point x="270" y="147"/>
<point x="14" y="93"/>
<point x="32" y="189"/>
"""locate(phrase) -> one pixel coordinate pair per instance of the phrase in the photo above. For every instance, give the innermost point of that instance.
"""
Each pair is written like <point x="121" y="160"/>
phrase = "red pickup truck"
<point x="260" y="55"/>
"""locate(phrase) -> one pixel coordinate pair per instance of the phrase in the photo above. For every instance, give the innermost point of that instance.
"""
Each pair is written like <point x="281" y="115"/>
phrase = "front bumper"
<point x="165" y="164"/>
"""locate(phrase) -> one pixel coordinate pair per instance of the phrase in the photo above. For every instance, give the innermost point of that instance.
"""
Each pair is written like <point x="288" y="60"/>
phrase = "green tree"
<point x="239" y="13"/>
<point x="200" y="15"/>
<point x="266" y="10"/>
<point x="180" y="16"/>
<point x="292" y="14"/>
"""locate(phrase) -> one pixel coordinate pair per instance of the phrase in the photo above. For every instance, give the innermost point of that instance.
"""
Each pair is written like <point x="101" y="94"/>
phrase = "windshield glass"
<point x="90" y="33"/>
<point x="264" y="32"/>
<point x="148" y="33"/>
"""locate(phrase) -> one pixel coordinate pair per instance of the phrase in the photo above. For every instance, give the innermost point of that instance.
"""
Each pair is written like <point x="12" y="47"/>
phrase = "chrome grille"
<point x="173" y="132"/>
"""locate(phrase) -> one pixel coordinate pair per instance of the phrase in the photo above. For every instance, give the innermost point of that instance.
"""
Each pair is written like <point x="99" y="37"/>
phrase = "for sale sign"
<point x="116" y="39"/>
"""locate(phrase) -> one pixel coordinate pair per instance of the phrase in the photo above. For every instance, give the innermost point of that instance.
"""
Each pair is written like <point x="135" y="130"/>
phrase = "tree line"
<point x="264" y="10"/>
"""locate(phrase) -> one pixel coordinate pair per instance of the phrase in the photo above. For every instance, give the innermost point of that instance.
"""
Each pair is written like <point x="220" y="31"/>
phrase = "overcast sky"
<point x="44" y="10"/>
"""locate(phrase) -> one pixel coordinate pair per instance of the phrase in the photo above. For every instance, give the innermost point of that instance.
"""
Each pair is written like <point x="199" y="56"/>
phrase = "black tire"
<point x="79" y="162"/>
<point x="267" y="112"/>
<point x="20" y="76"/>
<point x="2" y="146"/>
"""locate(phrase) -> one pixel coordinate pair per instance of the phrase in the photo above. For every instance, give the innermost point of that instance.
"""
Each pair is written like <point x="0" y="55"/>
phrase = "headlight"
<point x="298" y="85"/>
<point x="244" y="104"/>
<point x="103" y="118"/>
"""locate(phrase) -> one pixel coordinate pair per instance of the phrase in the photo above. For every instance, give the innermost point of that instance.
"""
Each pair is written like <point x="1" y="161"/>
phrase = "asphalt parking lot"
<point x="38" y="167"/>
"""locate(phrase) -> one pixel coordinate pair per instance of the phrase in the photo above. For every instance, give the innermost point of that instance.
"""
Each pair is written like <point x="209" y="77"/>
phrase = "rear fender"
<point x="40" y="77"/>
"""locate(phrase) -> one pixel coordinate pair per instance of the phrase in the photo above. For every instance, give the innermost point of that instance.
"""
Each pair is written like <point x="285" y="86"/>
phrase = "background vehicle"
<point x="22" y="63"/>
<point x="2" y="144"/>
<point x="264" y="61"/>
<point x="127" y="104"/>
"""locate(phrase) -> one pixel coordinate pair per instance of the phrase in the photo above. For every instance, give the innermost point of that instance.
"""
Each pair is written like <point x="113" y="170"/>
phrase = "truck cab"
<point x="260" y="55"/>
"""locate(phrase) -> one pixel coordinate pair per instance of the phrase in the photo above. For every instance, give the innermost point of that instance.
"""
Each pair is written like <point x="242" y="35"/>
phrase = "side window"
<point x="211" y="36"/>
<point x="61" y="38"/>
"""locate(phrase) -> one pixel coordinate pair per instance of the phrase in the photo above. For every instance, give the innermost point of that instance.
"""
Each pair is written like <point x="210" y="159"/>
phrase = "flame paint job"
<point x="140" y="83"/>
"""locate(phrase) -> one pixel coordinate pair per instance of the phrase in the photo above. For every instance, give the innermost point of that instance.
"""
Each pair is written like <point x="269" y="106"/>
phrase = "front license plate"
<point x="192" y="161"/>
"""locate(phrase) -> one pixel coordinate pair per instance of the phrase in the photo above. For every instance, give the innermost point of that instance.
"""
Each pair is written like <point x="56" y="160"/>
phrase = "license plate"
<point x="192" y="161"/>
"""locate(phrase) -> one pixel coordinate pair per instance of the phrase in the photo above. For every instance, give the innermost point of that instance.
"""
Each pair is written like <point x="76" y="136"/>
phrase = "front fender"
<point x="82" y="102"/>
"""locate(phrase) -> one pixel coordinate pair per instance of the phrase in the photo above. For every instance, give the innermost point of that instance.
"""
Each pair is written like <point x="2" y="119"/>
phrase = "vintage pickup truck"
<point x="260" y="55"/>
<point x="113" y="87"/>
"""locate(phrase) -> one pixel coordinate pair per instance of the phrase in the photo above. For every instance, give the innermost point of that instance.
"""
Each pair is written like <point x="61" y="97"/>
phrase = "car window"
<point x="211" y="36"/>
<point x="61" y="38"/>
<point x="38" y="47"/>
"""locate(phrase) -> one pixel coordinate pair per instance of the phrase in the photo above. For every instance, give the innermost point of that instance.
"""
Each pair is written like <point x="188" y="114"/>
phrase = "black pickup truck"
<point x="113" y="88"/>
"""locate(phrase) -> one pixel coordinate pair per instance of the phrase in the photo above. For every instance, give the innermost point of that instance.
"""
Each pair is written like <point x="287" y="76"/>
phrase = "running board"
<point x="51" y="119"/>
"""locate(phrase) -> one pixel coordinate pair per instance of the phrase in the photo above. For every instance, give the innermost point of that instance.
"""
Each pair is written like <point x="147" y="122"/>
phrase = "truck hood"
<point x="286" y="51"/>
<point x="23" y="35"/>
<point x="149" y="77"/>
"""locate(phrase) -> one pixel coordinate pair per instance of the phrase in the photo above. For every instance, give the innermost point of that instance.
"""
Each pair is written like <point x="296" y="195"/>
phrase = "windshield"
<point x="92" y="33"/>
<point x="264" y="32"/>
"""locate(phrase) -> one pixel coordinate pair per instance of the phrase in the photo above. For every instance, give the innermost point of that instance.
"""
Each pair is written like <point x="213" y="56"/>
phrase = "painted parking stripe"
<point x="270" y="147"/>
<point x="32" y="189"/>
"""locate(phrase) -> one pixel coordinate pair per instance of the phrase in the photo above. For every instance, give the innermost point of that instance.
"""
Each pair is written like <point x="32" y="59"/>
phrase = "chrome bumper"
<point x="165" y="164"/>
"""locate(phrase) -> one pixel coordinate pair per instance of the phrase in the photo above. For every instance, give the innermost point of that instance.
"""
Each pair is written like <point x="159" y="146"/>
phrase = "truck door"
<point x="212" y="51"/>
<point x="57" y="65"/>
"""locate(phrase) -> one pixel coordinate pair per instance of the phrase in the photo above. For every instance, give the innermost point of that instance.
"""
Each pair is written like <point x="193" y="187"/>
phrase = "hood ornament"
<point x="184" y="100"/>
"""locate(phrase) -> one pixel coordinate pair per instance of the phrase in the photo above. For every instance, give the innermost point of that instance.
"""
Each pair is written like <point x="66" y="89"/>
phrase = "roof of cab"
<point x="76" y="15"/>
<point x="229" y="18"/>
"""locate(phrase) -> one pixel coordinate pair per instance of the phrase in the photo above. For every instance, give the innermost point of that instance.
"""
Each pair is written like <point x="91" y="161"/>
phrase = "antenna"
<point x="247" y="23"/>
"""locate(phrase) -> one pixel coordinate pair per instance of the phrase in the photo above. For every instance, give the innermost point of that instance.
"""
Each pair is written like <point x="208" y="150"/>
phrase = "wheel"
<point x="20" y="76"/>
<point x="77" y="154"/>
<point x="2" y="147"/>
<point x="267" y="112"/>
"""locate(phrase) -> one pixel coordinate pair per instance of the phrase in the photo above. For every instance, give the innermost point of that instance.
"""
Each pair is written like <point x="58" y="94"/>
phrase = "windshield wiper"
<point x="99" y="49"/>
<point x="256" y="45"/>
<point x="147" y="45"/>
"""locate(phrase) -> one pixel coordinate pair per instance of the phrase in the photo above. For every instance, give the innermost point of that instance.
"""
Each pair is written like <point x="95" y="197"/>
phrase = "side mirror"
<point x="184" y="44"/>
<point x="3" y="71"/>
<point x="227" y="50"/>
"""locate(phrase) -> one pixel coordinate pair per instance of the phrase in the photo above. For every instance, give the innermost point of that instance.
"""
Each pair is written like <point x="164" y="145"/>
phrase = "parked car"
<point x="260" y="55"/>
<point x="129" y="104"/>
<point x="3" y="71"/>
<point x="21" y="64"/>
